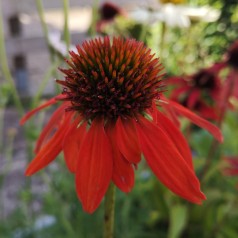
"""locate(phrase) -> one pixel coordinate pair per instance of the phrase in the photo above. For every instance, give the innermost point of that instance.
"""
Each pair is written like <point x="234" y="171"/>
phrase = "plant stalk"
<point x="109" y="212"/>
<point x="66" y="34"/>
<point x="5" y="68"/>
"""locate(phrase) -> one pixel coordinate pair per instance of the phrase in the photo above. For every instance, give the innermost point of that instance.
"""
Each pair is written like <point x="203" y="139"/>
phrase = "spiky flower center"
<point x="112" y="79"/>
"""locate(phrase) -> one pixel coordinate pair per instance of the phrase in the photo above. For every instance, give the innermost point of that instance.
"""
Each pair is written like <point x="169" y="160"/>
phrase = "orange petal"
<point x="46" y="104"/>
<point x="167" y="163"/>
<point x="197" y="120"/>
<point x="176" y="136"/>
<point x="71" y="143"/>
<point x="123" y="172"/>
<point x="94" y="169"/>
<point x="127" y="141"/>
<point x="51" y="125"/>
<point x="50" y="150"/>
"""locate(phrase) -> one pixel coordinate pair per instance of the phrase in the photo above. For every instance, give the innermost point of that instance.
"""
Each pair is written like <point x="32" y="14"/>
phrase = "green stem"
<point x="163" y="32"/>
<point x="109" y="212"/>
<point x="8" y="154"/>
<point x="66" y="24"/>
<point x="2" y="112"/>
<point x="92" y="30"/>
<point x="142" y="36"/>
<point x="44" y="82"/>
<point x="5" y="68"/>
<point x="40" y="11"/>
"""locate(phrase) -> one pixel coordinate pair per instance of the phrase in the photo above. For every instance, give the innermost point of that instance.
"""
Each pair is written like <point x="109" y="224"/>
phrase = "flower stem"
<point x="5" y="68"/>
<point x="162" y="40"/>
<point x="49" y="73"/>
<point x="66" y="34"/>
<point x="95" y="17"/>
<point x="40" y="10"/>
<point x="109" y="212"/>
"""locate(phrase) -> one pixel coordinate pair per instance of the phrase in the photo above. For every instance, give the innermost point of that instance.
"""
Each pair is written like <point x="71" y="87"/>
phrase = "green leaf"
<point x="178" y="220"/>
<point x="230" y="232"/>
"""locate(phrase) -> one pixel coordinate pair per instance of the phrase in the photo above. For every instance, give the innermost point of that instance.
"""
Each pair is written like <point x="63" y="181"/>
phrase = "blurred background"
<point x="196" y="41"/>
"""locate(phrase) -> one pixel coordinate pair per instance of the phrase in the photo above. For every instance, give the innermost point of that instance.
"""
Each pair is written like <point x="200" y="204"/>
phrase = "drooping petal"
<point x="170" y="113"/>
<point x="208" y="112"/>
<point x="177" y="80"/>
<point x="193" y="98"/>
<point x="44" y="105"/>
<point x="197" y="120"/>
<point x="177" y="92"/>
<point x="51" y="125"/>
<point x="232" y="166"/>
<point x="166" y="162"/>
<point x="50" y="150"/>
<point x="127" y="141"/>
<point x="71" y="143"/>
<point x="123" y="172"/>
<point x="94" y="169"/>
<point x="176" y="136"/>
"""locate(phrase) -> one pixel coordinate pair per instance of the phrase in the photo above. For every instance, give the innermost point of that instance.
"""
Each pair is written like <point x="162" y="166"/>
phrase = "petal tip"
<point x="221" y="138"/>
<point x="28" y="172"/>
<point x="22" y="121"/>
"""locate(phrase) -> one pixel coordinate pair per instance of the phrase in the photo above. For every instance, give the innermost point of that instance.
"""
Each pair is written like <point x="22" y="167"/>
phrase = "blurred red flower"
<point x="108" y="117"/>
<point x="199" y="92"/>
<point x="230" y="85"/>
<point x="107" y="14"/>
<point x="232" y="55"/>
<point x="232" y="166"/>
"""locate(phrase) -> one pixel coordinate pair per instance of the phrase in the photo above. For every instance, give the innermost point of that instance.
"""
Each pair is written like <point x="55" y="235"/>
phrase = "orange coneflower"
<point x="108" y="117"/>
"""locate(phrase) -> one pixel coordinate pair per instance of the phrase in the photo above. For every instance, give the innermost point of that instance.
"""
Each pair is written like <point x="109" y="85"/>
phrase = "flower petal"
<point x="51" y="125"/>
<point x="176" y="136"/>
<point x="209" y="112"/>
<point x="166" y="162"/>
<point x="176" y="93"/>
<point x="127" y="141"/>
<point x="44" y="105"/>
<point x="94" y="169"/>
<point x="197" y="120"/>
<point x="50" y="150"/>
<point x="232" y="166"/>
<point x="123" y="172"/>
<point x="193" y="98"/>
<point x="71" y="144"/>
<point x="170" y="113"/>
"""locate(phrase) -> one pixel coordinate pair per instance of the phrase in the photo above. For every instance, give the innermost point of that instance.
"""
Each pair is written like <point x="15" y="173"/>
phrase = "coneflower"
<point x="108" y="118"/>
